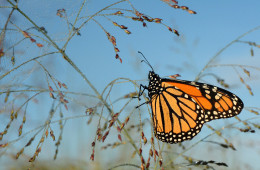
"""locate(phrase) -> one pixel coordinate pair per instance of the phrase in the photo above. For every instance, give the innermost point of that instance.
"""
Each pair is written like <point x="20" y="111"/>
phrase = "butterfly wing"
<point x="182" y="107"/>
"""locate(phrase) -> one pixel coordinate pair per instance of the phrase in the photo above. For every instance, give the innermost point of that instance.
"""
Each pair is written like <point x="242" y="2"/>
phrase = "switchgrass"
<point x="118" y="135"/>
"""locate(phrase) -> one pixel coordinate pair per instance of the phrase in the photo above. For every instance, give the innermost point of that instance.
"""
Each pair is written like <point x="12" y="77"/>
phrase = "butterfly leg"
<point x="142" y="104"/>
<point x="141" y="91"/>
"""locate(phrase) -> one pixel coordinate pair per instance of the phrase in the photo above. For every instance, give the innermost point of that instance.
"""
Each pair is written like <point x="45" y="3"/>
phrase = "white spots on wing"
<point x="217" y="97"/>
<point x="207" y="91"/>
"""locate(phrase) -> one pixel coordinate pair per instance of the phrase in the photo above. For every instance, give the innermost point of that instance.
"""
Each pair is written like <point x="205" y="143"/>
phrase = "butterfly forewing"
<point x="216" y="102"/>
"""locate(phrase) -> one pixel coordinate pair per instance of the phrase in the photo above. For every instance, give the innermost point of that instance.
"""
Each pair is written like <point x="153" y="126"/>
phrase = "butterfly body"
<point x="180" y="108"/>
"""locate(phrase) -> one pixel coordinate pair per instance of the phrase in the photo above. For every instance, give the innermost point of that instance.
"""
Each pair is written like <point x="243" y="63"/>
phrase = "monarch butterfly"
<point x="180" y="107"/>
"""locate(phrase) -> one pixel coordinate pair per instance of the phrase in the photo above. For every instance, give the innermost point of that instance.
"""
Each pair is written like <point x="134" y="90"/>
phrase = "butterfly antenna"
<point x="146" y="61"/>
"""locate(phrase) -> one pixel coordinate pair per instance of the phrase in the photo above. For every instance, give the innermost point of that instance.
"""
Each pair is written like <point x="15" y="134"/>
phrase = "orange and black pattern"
<point x="180" y="108"/>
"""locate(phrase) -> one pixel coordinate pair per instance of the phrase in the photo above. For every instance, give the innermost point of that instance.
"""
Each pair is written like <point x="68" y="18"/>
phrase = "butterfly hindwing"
<point x="176" y="116"/>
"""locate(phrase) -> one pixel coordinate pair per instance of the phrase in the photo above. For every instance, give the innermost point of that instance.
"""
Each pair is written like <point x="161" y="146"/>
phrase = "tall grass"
<point x="30" y="83"/>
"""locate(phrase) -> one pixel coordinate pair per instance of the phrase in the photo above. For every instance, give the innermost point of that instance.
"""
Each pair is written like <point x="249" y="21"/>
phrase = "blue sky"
<point x="216" y="24"/>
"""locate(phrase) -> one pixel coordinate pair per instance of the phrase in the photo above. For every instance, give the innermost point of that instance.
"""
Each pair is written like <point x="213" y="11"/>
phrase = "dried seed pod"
<point x="64" y="85"/>
<point x="115" y="24"/>
<point x="92" y="157"/>
<point x="39" y="45"/>
<point x="118" y="13"/>
<point x="157" y="20"/>
<point x="145" y="140"/>
<point x="123" y="27"/>
<point x="184" y="7"/>
<point x="25" y="34"/>
<point x="151" y="152"/>
<point x="127" y="31"/>
<point x="140" y="151"/>
<point x="192" y="12"/>
<point x="142" y="160"/>
<point x="119" y="137"/>
<point x="160" y="163"/>
<point x="32" y="40"/>
<point x="105" y="136"/>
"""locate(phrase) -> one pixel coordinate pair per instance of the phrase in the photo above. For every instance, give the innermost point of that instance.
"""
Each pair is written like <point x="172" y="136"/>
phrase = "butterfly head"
<point x="152" y="76"/>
